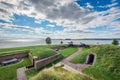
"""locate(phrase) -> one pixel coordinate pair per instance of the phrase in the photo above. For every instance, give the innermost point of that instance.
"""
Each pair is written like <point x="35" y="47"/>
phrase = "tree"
<point x="115" y="42"/>
<point x="48" y="40"/>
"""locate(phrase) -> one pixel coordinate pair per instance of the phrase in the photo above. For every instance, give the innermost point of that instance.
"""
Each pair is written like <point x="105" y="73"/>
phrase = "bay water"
<point x="9" y="43"/>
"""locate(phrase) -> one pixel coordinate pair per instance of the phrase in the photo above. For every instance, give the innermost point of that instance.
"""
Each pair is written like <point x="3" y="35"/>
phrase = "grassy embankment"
<point x="80" y="58"/>
<point x="68" y="51"/>
<point x="58" y="73"/>
<point x="42" y="52"/>
<point x="9" y="72"/>
<point x="65" y="53"/>
<point x="107" y="65"/>
<point x="5" y="51"/>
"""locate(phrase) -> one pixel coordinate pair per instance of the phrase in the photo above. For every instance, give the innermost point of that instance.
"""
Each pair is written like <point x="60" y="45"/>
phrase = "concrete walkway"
<point x="21" y="73"/>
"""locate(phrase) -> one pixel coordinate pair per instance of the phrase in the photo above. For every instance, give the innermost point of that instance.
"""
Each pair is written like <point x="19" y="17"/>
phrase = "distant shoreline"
<point x="19" y="43"/>
<point x="90" y="39"/>
<point x="65" y="39"/>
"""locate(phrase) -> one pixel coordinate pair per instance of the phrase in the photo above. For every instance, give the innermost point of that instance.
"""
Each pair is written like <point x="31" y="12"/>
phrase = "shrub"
<point x="115" y="42"/>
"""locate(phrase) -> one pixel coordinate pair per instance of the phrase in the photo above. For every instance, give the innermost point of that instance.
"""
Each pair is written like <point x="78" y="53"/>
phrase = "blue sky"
<point x="59" y="19"/>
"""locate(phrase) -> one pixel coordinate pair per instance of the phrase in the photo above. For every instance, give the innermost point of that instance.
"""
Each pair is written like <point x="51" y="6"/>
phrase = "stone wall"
<point x="59" y="48"/>
<point x="17" y="55"/>
<point x="30" y="57"/>
<point x="40" y="63"/>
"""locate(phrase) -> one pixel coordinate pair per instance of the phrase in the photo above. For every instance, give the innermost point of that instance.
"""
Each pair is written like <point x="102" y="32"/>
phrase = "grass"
<point x="108" y="62"/>
<point x="33" y="72"/>
<point x="58" y="74"/>
<point x="42" y="52"/>
<point x="107" y="65"/>
<point x="5" y="51"/>
<point x="68" y="51"/>
<point x="97" y="74"/>
<point x="9" y="72"/>
<point x="80" y="58"/>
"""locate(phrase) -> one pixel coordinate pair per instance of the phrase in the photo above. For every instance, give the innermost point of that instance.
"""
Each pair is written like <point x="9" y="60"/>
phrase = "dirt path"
<point x="21" y="73"/>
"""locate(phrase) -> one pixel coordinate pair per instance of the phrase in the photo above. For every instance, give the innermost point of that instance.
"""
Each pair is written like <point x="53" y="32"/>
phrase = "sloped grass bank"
<point x="80" y="58"/>
<point x="5" y="51"/>
<point x="107" y="65"/>
<point x="65" y="52"/>
<point x="108" y="62"/>
<point x="68" y="51"/>
<point x="42" y="52"/>
<point x="59" y="74"/>
<point x="9" y="72"/>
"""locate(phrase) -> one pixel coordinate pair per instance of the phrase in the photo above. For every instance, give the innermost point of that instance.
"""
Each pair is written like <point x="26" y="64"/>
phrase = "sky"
<point x="59" y="19"/>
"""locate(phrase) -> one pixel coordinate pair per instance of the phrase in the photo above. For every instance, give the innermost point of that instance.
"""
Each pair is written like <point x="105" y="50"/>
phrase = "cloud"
<point x="23" y="30"/>
<point x="109" y="5"/>
<point x="67" y="13"/>
<point x="73" y="15"/>
<point x="55" y="10"/>
<point x="113" y="1"/>
<point x="51" y="25"/>
<point x="3" y="11"/>
<point x="78" y="31"/>
<point x="8" y="4"/>
<point x="89" y="5"/>
<point x="38" y="21"/>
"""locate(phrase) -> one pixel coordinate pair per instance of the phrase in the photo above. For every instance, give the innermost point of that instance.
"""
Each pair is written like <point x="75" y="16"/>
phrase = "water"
<point x="32" y="42"/>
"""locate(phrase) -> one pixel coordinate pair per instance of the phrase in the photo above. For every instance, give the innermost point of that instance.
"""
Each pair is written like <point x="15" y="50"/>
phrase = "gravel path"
<point x="21" y="73"/>
<point x="77" y="67"/>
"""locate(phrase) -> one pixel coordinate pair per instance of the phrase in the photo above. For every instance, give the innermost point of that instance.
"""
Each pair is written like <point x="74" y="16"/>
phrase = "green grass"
<point x="33" y="72"/>
<point x="107" y="65"/>
<point x="108" y="61"/>
<point x="5" y="51"/>
<point x="68" y="51"/>
<point x="59" y="74"/>
<point x="9" y="72"/>
<point x="97" y="73"/>
<point x="42" y="52"/>
<point x="81" y="57"/>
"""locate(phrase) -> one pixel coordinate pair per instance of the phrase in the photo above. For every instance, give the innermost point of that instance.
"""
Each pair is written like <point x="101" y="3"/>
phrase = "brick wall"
<point x="40" y="63"/>
<point x="18" y="55"/>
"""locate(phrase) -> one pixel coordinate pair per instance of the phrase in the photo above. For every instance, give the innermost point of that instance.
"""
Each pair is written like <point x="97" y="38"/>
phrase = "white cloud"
<point x="23" y="28"/>
<point x="109" y="5"/>
<point x="51" y="25"/>
<point x="113" y="1"/>
<point x="38" y="21"/>
<point x="89" y="5"/>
